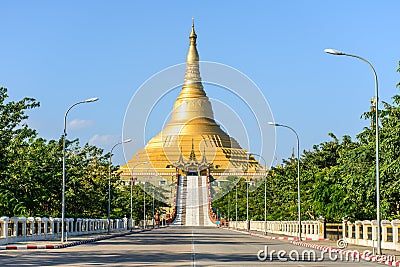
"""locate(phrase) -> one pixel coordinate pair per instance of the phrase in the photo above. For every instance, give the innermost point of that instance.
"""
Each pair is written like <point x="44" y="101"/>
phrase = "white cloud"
<point x="104" y="140"/>
<point x="77" y="124"/>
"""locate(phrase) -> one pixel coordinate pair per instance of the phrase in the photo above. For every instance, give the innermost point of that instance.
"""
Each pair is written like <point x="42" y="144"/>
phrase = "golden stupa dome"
<point x="192" y="136"/>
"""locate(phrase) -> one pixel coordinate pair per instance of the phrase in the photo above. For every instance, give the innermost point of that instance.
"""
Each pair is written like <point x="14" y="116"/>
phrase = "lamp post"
<point x="152" y="220"/>
<point x="63" y="166"/>
<point x="109" y="182"/>
<point x="247" y="196"/>
<point x="144" y="205"/>
<point x="236" y="208"/>
<point x="131" y="184"/>
<point x="298" y="172"/>
<point x="229" y="207"/>
<point x="378" y="206"/>
<point x="130" y="217"/>
<point x="265" y="191"/>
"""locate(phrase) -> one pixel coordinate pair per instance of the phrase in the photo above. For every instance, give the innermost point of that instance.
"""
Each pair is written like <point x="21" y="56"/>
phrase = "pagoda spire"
<point x="192" y="86"/>
<point x="193" y="55"/>
<point x="180" y="157"/>
<point x="204" y="159"/>
<point x="192" y="101"/>
<point x="192" y="156"/>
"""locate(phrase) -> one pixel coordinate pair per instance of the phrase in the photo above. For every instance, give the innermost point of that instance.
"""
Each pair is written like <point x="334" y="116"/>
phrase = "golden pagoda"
<point x="192" y="142"/>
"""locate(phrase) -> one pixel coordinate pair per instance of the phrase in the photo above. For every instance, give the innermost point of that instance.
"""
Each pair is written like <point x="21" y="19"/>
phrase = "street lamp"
<point x="154" y="188"/>
<point x="265" y="191"/>
<point x="131" y="184"/>
<point x="236" y="212"/>
<point x="63" y="167"/>
<point x="378" y="206"/>
<point x="109" y="181"/>
<point x="298" y="172"/>
<point x="247" y="196"/>
<point x="144" y="205"/>
<point x="229" y="206"/>
<point x="130" y="217"/>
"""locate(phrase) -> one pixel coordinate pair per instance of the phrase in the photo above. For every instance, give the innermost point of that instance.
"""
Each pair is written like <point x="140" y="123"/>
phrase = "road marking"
<point x="193" y="251"/>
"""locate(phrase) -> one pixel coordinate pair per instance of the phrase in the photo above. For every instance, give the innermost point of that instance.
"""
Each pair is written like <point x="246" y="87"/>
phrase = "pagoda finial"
<point x="193" y="55"/>
<point x="180" y="160"/>
<point x="192" y="156"/>
<point x="193" y="34"/>
<point x="192" y="89"/>
<point x="204" y="159"/>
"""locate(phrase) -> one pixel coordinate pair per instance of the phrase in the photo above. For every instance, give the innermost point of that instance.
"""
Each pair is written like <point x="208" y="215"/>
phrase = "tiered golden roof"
<point x="192" y="129"/>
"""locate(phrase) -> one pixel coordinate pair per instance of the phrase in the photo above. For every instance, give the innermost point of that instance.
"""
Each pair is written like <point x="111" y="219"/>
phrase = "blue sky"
<point x="61" y="52"/>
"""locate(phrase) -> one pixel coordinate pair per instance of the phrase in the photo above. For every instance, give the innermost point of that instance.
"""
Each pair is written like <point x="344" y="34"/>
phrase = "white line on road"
<point x="193" y="251"/>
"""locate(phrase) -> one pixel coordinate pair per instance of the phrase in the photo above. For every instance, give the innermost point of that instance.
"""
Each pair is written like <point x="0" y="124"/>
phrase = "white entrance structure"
<point x="192" y="202"/>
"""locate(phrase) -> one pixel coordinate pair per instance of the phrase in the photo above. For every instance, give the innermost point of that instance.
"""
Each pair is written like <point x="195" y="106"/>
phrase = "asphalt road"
<point x="177" y="246"/>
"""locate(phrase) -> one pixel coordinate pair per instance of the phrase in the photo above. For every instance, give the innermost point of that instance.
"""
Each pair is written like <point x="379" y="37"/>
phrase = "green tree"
<point x="338" y="178"/>
<point x="14" y="133"/>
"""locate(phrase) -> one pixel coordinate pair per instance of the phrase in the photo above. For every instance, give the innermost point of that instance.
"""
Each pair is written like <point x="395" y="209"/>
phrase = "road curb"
<point x="372" y="258"/>
<point x="24" y="247"/>
<point x="70" y="244"/>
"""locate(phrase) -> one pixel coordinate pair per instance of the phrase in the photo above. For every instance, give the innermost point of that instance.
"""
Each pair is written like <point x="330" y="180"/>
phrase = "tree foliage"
<point x="31" y="173"/>
<point x="338" y="177"/>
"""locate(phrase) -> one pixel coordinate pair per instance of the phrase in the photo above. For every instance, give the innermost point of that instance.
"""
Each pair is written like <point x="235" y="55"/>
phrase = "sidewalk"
<point x="71" y="241"/>
<point x="388" y="257"/>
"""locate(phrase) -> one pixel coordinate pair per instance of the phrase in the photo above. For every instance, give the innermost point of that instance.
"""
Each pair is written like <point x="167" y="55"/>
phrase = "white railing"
<point x="314" y="230"/>
<point x="364" y="233"/>
<point x="18" y="229"/>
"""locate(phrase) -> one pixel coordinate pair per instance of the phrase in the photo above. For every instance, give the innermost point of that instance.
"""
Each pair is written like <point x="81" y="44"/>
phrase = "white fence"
<point x="17" y="229"/>
<point x="311" y="230"/>
<point x="364" y="233"/>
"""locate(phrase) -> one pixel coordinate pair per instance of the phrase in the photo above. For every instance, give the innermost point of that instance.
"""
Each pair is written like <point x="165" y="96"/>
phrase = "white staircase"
<point x="192" y="202"/>
<point x="204" y="202"/>
<point x="180" y="202"/>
